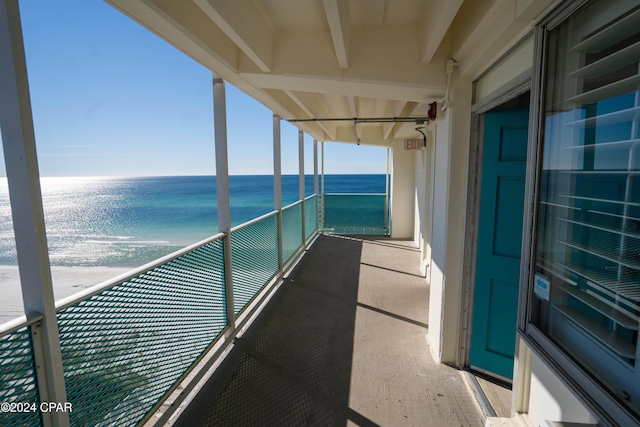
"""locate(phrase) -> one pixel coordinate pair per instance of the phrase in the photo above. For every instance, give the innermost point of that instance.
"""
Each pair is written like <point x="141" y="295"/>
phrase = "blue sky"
<point x="111" y="98"/>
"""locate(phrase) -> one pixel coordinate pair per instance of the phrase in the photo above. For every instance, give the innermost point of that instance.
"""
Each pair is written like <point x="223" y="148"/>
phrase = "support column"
<point x="402" y="191"/>
<point x="315" y="166"/>
<point x="277" y="184"/>
<point x="449" y="215"/>
<point x="386" y="195"/>
<point x="323" y="207"/>
<point x="301" y="181"/>
<point x="315" y="177"/>
<point x="18" y="140"/>
<point x="222" y="189"/>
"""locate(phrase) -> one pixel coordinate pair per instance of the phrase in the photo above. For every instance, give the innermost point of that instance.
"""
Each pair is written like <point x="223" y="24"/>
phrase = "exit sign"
<point x="413" y="144"/>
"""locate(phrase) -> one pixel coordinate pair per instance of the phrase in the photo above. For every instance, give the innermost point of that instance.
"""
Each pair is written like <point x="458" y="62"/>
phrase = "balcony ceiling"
<point x="307" y="59"/>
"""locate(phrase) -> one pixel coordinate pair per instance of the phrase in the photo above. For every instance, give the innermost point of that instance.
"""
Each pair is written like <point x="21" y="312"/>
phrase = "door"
<point x="495" y="299"/>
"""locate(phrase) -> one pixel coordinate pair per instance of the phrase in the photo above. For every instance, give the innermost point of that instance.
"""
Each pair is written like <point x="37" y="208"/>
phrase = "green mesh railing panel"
<point x="291" y="230"/>
<point x="254" y="253"/>
<point x="354" y="213"/>
<point x="18" y="382"/>
<point x="310" y="213"/>
<point x="125" y="347"/>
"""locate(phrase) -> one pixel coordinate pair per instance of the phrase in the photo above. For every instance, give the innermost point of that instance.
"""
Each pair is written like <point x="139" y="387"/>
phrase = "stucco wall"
<point x="420" y="212"/>
<point x="402" y="193"/>
<point x="447" y="242"/>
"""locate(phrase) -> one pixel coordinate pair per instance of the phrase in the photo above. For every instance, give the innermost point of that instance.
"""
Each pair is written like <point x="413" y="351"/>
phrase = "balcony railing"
<point x="355" y="214"/>
<point x="18" y="382"/>
<point x="128" y="343"/>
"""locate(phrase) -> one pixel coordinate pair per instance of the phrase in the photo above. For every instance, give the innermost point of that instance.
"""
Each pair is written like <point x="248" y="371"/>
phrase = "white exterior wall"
<point x="451" y="159"/>
<point x="402" y="193"/>
<point x="421" y="214"/>
<point x="517" y="63"/>
<point x="438" y="243"/>
<point x="551" y="400"/>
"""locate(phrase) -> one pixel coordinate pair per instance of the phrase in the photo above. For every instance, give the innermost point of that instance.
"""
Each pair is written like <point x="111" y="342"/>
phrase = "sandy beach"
<point x="66" y="281"/>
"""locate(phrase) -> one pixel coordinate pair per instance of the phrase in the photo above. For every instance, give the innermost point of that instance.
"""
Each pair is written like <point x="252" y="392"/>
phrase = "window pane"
<point x="587" y="284"/>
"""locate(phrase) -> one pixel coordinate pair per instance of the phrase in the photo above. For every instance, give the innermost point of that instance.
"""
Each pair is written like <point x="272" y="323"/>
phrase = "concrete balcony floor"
<point x="342" y="342"/>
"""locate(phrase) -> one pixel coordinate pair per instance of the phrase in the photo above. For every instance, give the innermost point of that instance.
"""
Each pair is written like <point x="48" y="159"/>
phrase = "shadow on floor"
<point x="342" y="343"/>
<point x="293" y="366"/>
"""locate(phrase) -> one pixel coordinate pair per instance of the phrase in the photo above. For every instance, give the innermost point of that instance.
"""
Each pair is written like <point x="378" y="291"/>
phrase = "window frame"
<point x="600" y="401"/>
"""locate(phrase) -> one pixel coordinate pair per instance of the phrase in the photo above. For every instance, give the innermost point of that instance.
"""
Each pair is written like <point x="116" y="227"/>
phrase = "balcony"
<point x="317" y="329"/>
<point x="341" y="343"/>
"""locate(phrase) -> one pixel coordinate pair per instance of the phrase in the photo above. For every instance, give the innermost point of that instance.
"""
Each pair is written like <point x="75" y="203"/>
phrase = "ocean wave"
<point x="128" y="241"/>
<point x="108" y="238"/>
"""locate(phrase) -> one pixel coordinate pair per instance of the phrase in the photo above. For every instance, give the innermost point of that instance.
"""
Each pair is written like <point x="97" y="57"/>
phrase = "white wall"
<point x="449" y="214"/>
<point x="420" y="215"/>
<point x="517" y="63"/>
<point x="551" y="400"/>
<point x="423" y="200"/>
<point x="402" y="193"/>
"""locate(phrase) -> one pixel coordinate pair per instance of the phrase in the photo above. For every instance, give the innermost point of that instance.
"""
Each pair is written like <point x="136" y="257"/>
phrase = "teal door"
<point x="495" y="300"/>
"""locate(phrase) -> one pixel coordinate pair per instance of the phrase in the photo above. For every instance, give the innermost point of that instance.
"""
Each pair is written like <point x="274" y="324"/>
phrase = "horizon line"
<point x="188" y="175"/>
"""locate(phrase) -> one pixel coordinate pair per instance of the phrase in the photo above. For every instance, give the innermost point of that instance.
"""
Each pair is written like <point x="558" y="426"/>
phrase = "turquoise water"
<point x="132" y="221"/>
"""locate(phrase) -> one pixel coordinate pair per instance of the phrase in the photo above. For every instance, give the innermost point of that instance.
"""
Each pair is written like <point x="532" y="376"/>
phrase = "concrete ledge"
<point x="520" y="420"/>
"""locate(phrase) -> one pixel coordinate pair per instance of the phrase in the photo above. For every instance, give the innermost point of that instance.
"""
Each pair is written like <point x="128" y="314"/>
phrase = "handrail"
<point x="108" y="284"/>
<point x="253" y="221"/>
<point x="19" y="323"/>
<point x="308" y="197"/>
<point x="354" y="194"/>
<point x="297" y="202"/>
<point x="94" y="290"/>
<point x="265" y="216"/>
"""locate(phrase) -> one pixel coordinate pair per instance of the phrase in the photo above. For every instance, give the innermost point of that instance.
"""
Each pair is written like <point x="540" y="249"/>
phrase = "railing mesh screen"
<point x="354" y="213"/>
<point x="18" y="382"/>
<point x="254" y="254"/>
<point x="310" y="213"/>
<point x="291" y="230"/>
<point x="124" y="348"/>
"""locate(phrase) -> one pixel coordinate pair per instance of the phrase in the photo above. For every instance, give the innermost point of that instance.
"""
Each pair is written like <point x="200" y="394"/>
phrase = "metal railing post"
<point x="386" y="195"/>
<point x="277" y="185"/>
<point x="323" y="209"/>
<point x="222" y="190"/>
<point x="301" y="183"/>
<point x="23" y="178"/>
<point x="315" y="177"/>
<point x="387" y="190"/>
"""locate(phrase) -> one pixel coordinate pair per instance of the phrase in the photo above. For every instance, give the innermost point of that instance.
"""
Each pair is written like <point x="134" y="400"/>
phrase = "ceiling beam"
<point x="378" y="55"/>
<point x="492" y="45"/>
<point x="406" y="111"/>
<point x="435" y="22"/>
<point x="210" y="48"/>
<point x="371" y="89"/>
<point x="322" y="106"/>
<point x="391" y="109"/>
<point x="331" y="133"/>
<point x="207" y="45"/>
<point x="243" y="23"/>
<point x="473" y="21"/>
<point x="353" y="109"/>
<point x="337" y="12"/>
<point x="352" y="101"/>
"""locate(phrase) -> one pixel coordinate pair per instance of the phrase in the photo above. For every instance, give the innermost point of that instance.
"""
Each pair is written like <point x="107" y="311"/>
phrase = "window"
<point x="586" y="284"/>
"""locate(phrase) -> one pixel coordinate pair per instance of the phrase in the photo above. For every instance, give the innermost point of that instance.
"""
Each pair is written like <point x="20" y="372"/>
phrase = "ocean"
<point x="127" y="222"/>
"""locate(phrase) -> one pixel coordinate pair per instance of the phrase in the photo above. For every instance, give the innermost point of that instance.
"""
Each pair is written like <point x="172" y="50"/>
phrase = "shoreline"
<point x="67" y="281"/>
